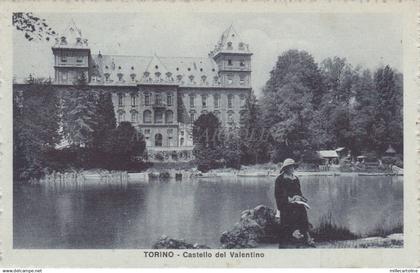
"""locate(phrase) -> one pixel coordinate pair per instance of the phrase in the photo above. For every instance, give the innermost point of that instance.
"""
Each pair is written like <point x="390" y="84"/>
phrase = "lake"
<point x="136" y="214"/>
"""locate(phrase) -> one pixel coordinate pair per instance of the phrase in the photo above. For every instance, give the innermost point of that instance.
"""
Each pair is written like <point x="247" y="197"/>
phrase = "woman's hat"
<point x="287" y="162"/>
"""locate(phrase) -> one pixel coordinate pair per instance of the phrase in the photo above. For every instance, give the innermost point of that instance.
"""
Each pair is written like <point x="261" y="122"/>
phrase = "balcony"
<point x="159" y="105"/>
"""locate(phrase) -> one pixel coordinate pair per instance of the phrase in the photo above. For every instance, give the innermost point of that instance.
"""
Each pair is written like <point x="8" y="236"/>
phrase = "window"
<point x="120" y="76"/>
<point x="169" y="100"/>
<point x="147" y="118"/>
<point x="106" y="77"/>
<point x="133" y="76"/>
<point x="230" y="79"/>
<point x="230" y="101"/>
<point x="203" y="78"/>
<point x="242" y="79"/>
<point x="191" y="101"/>
<point x="158" y="116"/>
<point x="158" y="99"/>
<point x="64" y="59"/>
<point x="147" y="99"/>
<point x="120" y="99"/>
<point x="229" y="62"/>
<point x="64" y="76"/>
<point x="192" y="116"/>
<point x="204" y="101"/>
<point x="158" y="140"/>
<point x="229" y="45"/>
<point x="242" y="63"/>
<point x="121" y="116"/>
<point x="216" y="101"/>
<point x="191" y="77"/>
<point x="169" y="117"/>
<point x="230" y="116"/>
<point x="133" y="100"/>
<point x="134" y="116"/>
<point x="242" y="97"/>
<point x="179" y="77"/>
<point x="241" y="46"/>
<point x="181" y="141"/>
<point x="79" y="60"/>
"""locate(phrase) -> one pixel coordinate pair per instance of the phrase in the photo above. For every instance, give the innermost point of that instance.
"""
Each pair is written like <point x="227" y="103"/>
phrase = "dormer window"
<point x="106" y="76"/>
<point x="241" y="46"/>
<point x="168" y="74"/>
<point x="216" y="79"/>
<point x="133" y="76"/>
<point x="229" y="45"/>
<point x="78" y="41"/>
<point x="203" y="78"/>
<point x="157" y="74"/>
<point x="191" y="77"/>
<point x="179" y="77"/>
<point x="63" y="40"/>
<point x="146" y="74"/>
<point x="120" y="76"/>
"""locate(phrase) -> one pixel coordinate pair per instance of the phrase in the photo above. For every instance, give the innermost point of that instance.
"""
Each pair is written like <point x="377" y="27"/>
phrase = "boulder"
<point x="165" y="242"/>
<point x="258" y="225"/>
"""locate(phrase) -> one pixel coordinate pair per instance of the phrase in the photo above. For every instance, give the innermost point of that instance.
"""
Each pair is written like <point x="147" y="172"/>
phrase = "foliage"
<point x="35" y="129"/>
<point x="32" y="26"/>
<point x="127" y="147"/>
<point x="254" y="144"/>
<point x="207" y="144"/>
<point x="290" y="98"/>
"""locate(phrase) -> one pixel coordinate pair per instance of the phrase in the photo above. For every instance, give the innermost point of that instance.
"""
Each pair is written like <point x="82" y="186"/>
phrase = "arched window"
<point x="204" y="101"/>
<point x="158" y="116"/>
<point x="158" y="140"/>
<point x="134" y="116"/>
<point x="121" y="116"/>
<point x="147" y="116"/>
<point x="169" y="116"/>
<point x="158" y="99"/>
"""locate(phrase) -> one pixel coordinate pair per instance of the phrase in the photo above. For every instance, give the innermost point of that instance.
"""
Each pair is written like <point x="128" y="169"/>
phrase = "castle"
<point x="162" y="96"/>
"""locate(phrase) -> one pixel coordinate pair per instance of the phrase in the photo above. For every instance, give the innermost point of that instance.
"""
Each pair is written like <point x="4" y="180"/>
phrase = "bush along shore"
<point x="257" y="229"/>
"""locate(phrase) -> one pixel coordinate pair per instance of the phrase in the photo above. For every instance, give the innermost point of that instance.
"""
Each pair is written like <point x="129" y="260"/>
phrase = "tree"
<point x="127" y="147"/>
<point x="78" y="116"/>
<point x="290" y="97"/>
<point x="32" y="26"/>
<point x="35" y="129"/>
<point x="102" y="129"/>
<point x="207" y="144"/>
<point x="254" y="136"/>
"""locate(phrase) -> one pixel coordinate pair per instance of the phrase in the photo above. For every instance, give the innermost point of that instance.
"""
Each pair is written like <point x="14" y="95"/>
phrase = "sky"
<point x="369" y="40"/>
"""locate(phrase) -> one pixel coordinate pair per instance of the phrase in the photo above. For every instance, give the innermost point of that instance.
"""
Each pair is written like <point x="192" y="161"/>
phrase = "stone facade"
<point x="162" y="96"/>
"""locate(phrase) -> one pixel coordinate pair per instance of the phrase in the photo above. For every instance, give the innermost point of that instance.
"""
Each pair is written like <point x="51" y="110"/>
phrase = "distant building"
<point x="162" y="96"/>
<point x="329" y="156"/>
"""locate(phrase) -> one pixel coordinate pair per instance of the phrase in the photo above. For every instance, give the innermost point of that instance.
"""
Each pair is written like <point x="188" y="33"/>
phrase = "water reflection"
<point x="134" y="215"/>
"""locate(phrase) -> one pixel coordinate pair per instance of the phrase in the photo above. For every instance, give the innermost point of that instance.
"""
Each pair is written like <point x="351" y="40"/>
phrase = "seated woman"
<point x="292" y="206"/>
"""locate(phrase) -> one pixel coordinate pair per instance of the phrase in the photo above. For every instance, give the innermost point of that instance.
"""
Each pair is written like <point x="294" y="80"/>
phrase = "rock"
<point x="165" y="242"/>
<point x="258" y="225"/>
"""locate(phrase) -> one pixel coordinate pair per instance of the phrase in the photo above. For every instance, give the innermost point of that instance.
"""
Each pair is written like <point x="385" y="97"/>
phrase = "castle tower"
<point x="71" y="57"/>
<point x="233" y="58"/>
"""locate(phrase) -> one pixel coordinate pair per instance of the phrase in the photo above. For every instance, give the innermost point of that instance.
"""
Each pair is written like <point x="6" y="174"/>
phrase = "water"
<point x="136" y="214"/>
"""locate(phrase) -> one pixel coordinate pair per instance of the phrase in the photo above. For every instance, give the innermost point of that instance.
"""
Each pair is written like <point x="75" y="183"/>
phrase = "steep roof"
<point x="230" y="42"/>
<point x="189" y="71"/>
<point x="71" y="37"/>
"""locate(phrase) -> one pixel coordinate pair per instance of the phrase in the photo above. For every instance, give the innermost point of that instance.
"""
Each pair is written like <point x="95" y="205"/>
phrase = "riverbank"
<point x="258" y="228"/>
